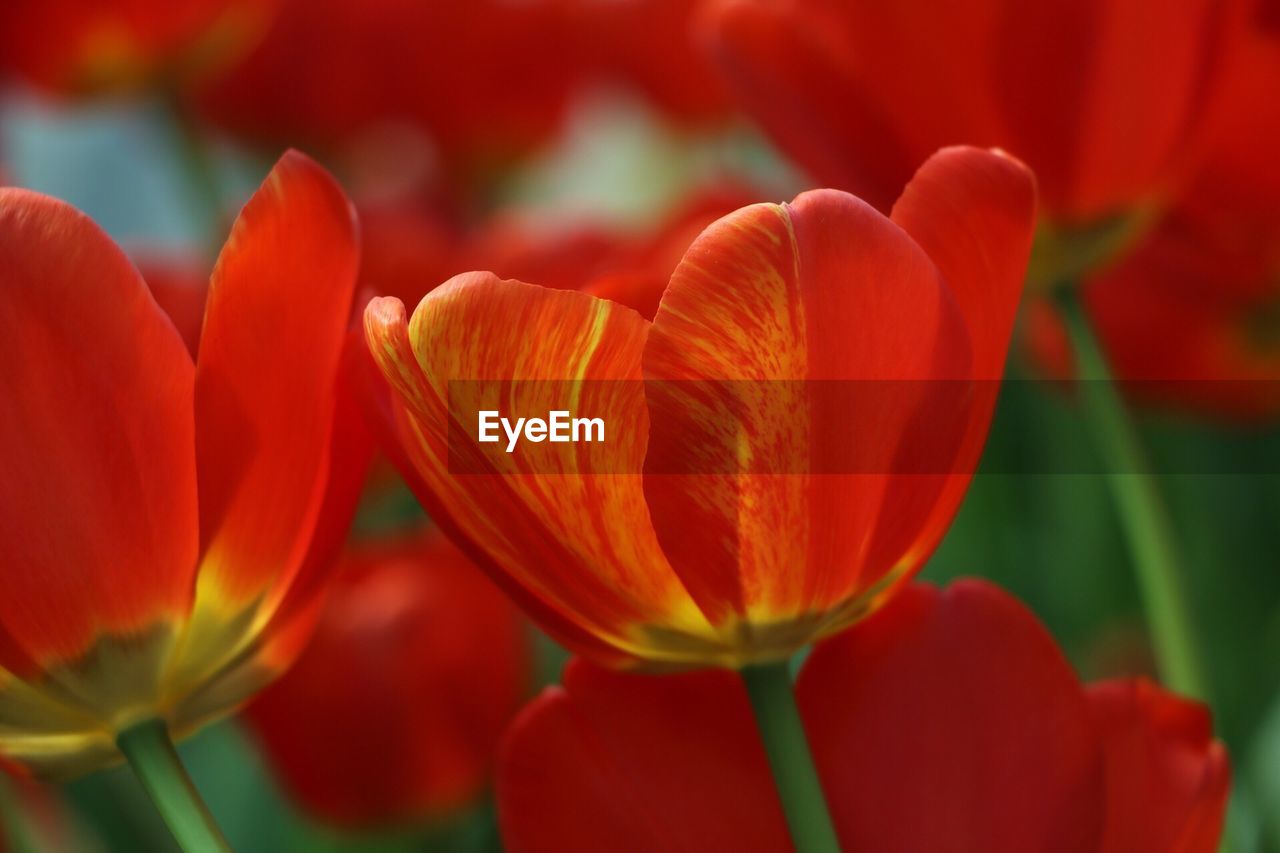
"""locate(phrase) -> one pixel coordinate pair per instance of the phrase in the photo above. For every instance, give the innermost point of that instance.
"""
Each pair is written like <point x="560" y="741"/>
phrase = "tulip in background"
<point x="392" y="714"/>
<point x="90" y="47"/>
<point x="1189" y="319"/>
<point x="947" y="721"/>
<point x="157" y="515"/>
<point x="410" y="63"/>
<point x="1105" y="100"/>
<point x="409" y="248"/>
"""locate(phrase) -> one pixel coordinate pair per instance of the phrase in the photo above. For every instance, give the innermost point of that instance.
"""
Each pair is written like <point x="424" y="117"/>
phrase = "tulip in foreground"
<point x="779" y="449"/>
<point x="156" y="514"/>
<point x="947" y="721"/>
<point x="639" y="552"/>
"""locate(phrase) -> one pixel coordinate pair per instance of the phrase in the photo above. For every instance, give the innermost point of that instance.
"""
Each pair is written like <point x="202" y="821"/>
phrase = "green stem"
<point x="1143" y="516"/>
<point x="150" y="753"/>
<point x="782" y="731"/>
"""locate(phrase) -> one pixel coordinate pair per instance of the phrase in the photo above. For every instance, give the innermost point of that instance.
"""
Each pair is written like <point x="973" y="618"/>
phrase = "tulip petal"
<point x="951" y="721"/>
<point x="973" y="211"/>
<point x="791" y="360"/>
<point x="278" y="307"/>
<point x="394" y="711"/>
<point x="98" y="519"/>
<point x="627" y="762"/>
<point x="566" y="522"/>
<point x="859" y="93"/>
<point x="946" y="721"/>
<point x="272" y="648"/>
<point x="1167" y="779"/>
<point x="393" y="427"/>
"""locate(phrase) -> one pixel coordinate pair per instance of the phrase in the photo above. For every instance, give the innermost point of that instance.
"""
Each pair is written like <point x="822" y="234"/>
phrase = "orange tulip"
<point x="643" y="549"/>
<point x="164" y="522"/>
<point x="1105" y="99"/>
<point x="75" y="47"/>
<point x="393" y="712"/>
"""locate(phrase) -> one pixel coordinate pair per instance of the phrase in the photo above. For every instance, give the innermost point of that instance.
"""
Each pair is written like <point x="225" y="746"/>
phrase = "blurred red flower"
<point x="485" y="79"/>
<point x="685" y="567"/>
<point x="409" y="249"/>
<point x="78" y="47"/>
<point x="393" y="712"/>
<point x="1105" y="99"/>
<point x="1192" y="317"/>
<point x="947" y="721"/>
<point x="204" y="496"/>
<point x="648" y="46"/>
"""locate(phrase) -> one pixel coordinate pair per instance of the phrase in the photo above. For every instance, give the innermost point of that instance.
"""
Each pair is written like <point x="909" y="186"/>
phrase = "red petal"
<point x="626" y="762"/>
<point x="796" y="343"/>
<point x="393" y="712"/>
<point x="1108" y="106"/>
<point x="852" y="91"/>
<point x="1167" y="778"/>
<point x="973" y="211"/>
<point x="98" y="520"/>
<point x="571" y="528"/>
<point x="278" y="310"/>
<point x="947" y="721"/>
<point x="951" y="721"/>
<point x="392" y="427"/>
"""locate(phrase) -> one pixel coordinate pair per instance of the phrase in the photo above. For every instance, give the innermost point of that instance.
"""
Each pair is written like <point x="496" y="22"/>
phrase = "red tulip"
<point x="947" y="721"/>
<point x="73" y="47"/>
<point x="484" y="79"/>
<point x="684" y="565"/>
<point x="408" y="250"/>
<point x="1189" y="319"/>
<point x="164" y="522"/>
<point x="1103" y="99"/>
<point x="648" y="46"/>
<point x="393" y="712"/>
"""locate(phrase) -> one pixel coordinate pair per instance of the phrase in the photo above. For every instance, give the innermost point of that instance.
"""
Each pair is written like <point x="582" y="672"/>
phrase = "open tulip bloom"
<point x="156" y="515"/>
<point x="649" y="549"/>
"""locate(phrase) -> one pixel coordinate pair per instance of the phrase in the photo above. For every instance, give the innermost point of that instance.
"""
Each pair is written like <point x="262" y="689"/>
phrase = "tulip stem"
<point x="1143" y="515"/>
<point x="150" y="753"/>
<point x="796" y="778"/>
